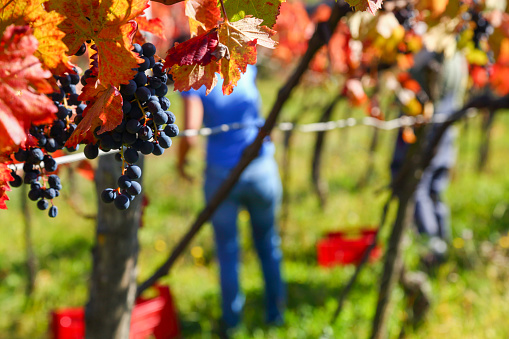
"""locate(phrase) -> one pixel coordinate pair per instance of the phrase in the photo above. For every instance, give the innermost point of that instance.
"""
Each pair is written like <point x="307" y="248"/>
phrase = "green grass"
<point x="470" y="295"/>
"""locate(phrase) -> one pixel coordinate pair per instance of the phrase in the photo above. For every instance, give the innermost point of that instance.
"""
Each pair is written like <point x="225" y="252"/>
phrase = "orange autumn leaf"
<point x="22" y="87"/>
<point x="409" y="135"/>
<point x="153" y="26"/>
<point x="195" y="76"/>
<point x="5" y="177"/>
<point x="110" y="25"/>
<point x="241" y="38"/>
<point x="51" y="50"/>
<point x="203" y="15"/>
<point x="294" y="29"/>
<point x="104" y="111"/>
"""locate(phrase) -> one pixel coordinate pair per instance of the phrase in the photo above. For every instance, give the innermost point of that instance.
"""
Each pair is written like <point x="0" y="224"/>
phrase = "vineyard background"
<point x="470" y="297"/>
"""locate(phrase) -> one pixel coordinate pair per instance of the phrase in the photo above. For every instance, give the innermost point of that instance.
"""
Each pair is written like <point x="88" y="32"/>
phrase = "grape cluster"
<point x="48" y="139"/>
<point x="406" y="16"/>
<point x="482" y="29"/>
<point x="147" y="126"/>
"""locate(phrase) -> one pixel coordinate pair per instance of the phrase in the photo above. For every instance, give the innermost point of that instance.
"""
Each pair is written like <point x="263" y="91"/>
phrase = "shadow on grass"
<point x="300" y="295"/>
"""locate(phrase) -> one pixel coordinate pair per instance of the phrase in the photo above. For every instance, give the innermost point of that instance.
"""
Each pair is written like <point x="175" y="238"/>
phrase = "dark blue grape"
<point x="63" y="112"/>
<point x="171" y="117"/>
<point x="164" y="141"/>
<point x="53" y="180"/>
<point x="16" y="180"/>
<point x="51" y="145"/>
<point x="131" y="155"/>
<point x="58" y="96"/>
<point x="146" y="147"/>
<point x="133" y="172"/>
<point x="21" y="155"/>
<point x="107" y="142"/>
<point x="153" y="106"/>
<point x="158" y="150"/>
<point x="160" y="117"/>
<point x="126" y="107"/>
<point x="81" y="50"/>
<point x="135" y="188"/>
<point x="143" y="94"/>
<point x="35" y="156"/>
<point x="34" y="194"/>
<point x="148" y="49"/>
<point x="145" y="133"/>
<point x="108" y="195"/>
<point x="124" y="182"/>
<point x="49" y="193"/>
<point x="162" y="90"/>
<point x="42" y="204"/>
<point x="140" y="79"/>
<point x="53" y="211"/>
<point x="158" y="69"/>
<point x="122" y="202"/>
<point x="91" y="151"/>
<point x="135" y="112"/>
<point x="50" y="165"/>
<point x="164" y="102"/>
<point x="142" y="67"/>
<point x="121" y="127"/>
<point x="155" y="82"/>
<point x="133" y="126"/>
<point x="171" y="130"/>
<point x="129" y="88"/>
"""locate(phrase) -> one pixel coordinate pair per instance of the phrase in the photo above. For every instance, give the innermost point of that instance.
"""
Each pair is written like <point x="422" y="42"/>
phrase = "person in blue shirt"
<point x="447" y="90"/>
<point x="258" y="190"/>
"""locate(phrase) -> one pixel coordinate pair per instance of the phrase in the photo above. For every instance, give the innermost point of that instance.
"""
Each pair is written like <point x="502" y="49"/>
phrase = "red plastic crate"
<point x="340" y="248"/>
<point x="155" y="316"/>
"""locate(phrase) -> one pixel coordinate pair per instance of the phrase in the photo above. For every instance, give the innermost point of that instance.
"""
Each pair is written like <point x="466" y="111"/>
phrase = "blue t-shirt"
<point x="242" y="106"/>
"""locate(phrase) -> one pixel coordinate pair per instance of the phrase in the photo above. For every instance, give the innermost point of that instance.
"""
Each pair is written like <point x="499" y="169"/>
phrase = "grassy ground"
<point x="470" y="295"/>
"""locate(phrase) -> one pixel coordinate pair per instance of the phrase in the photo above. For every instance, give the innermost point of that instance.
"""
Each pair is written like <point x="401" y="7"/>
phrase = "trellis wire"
<point x="385" y="125"/>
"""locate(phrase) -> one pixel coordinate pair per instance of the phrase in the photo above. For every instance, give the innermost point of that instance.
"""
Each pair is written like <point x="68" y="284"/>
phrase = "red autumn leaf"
<point x="479" y="76"/>
<point x="203" y="15"/>
<point x="110" y="25"/>
<point x="22" y="82"/>
<point x="86" y="170"/>
<point x="153" y="26"/>
<point x="195" y="51"/>
<point x="5" y="177"/>
<point x="104" y="110"/>
<point x="51" y="50"/>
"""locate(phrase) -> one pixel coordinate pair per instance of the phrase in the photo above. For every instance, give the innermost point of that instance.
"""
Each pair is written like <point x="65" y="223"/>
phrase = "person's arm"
<point x="193" y="118"/>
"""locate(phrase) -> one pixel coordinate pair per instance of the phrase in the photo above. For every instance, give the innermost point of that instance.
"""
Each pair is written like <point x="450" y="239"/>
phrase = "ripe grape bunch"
<point x="46" y="139"/>
<point x="147" y="126"/>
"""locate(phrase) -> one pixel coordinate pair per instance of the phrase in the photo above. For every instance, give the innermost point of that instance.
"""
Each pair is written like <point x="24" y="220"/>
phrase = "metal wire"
<point x="385" y="125"/>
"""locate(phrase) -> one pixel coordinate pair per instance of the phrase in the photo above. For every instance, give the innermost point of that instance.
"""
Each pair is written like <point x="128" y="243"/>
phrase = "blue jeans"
<point x="259" y="191"/>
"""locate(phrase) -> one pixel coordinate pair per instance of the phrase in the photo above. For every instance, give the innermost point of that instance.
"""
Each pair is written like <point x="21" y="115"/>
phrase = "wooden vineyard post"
<point x="113" y="282"/>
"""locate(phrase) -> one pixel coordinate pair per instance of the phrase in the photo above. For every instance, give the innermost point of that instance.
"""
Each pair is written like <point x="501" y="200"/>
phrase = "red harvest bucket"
<point x="338" y="248"/>
<point x="156" y="316"/>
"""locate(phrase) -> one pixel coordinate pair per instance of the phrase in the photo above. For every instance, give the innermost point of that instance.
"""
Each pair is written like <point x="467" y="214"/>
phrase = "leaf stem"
<point x="223" y="10"/>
